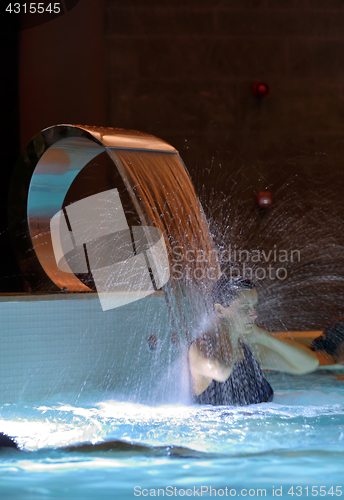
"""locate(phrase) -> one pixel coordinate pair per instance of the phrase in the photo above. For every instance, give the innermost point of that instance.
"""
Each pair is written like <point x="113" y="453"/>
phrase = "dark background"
<point x="184" y="71"/>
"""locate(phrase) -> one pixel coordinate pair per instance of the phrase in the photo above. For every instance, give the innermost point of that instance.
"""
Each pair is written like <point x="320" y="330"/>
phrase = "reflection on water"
<point x="300" y="435"/>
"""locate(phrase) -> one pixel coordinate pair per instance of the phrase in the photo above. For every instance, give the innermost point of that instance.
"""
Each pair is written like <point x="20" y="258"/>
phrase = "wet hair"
<point x="332" y="337"/>
<point x="226" y="290"/>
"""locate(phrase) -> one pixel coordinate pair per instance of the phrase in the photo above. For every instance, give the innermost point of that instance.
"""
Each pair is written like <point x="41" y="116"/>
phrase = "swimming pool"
<point x="179" y="450"/>
<point x="72" y="373"/>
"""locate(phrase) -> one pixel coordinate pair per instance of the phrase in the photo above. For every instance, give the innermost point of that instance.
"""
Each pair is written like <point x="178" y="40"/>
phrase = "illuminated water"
<point x="298" y="440"/>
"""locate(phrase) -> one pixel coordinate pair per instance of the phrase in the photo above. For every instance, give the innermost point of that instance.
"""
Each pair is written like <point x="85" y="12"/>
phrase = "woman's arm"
<point x="210" y="359"/>
<point x="275" y="354"/>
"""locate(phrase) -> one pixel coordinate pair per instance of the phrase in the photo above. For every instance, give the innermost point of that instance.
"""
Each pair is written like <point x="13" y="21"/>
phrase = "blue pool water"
<point x="178" y="450"/>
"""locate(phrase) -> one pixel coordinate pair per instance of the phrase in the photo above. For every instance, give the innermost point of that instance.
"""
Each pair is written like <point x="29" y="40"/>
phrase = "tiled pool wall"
<point x="66" y="344"/>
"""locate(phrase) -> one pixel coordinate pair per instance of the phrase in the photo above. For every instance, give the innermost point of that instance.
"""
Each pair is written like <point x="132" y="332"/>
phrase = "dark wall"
<point x="61" y="70"/>
<point x="52" y="72"/>
<point x="184" y="72"/>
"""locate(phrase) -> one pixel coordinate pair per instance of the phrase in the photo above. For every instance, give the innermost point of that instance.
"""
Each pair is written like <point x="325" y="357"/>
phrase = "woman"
<point x="226" y="363"/>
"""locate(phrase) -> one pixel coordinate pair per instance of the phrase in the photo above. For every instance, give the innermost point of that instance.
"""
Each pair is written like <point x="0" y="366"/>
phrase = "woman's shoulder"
<point x="208" y="339"/>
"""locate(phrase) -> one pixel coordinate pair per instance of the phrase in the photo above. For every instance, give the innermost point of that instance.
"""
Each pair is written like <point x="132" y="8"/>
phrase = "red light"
<point x="260" y="89"/>
<point x="264" y="199"/>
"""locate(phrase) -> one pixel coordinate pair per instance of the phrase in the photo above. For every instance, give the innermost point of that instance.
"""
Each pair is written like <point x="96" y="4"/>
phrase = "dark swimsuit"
<point x="245" y="386"/>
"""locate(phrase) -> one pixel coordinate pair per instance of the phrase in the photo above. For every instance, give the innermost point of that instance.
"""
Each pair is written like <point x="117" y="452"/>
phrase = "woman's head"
<point x="228" y="289"/>
<point x="331" y="341"/>
<point x="235" y="300"/>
